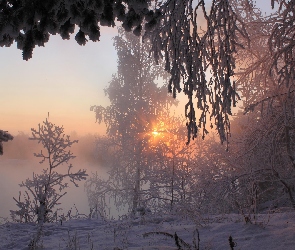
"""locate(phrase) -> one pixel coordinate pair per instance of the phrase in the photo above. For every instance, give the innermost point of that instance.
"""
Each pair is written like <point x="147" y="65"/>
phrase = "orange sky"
<point x="63" y="78"/>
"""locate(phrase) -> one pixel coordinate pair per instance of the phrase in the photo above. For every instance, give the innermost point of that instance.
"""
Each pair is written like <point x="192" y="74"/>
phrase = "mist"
<point x="19" y="163"/>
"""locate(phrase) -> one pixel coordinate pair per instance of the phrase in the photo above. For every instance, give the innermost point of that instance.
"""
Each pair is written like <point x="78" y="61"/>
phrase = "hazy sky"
<point x="62" y="78"/>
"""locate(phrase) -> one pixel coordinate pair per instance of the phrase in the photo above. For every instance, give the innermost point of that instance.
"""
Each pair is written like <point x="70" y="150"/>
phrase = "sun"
<point x="155" y="133"/>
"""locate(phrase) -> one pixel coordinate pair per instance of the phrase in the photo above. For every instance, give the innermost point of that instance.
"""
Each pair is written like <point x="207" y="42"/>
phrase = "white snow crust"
<point x="271" y="232"/>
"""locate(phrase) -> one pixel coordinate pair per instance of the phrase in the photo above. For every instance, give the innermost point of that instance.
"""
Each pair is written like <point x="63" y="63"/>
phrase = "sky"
<point x="63" y="78"/>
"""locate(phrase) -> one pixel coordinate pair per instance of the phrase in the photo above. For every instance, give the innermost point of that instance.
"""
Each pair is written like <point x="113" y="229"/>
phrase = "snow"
<point x="271" y="231"/>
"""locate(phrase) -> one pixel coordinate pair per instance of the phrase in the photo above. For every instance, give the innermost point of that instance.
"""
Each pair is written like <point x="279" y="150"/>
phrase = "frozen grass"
<point x="272" y="232"/>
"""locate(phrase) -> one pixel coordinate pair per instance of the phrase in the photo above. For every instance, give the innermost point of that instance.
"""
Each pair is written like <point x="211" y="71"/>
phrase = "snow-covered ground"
<point x="271" y="231"/>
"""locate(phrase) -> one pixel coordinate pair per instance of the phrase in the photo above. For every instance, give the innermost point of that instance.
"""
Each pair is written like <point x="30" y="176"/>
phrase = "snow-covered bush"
<point x="264" y="158"/>
<point x="44" y="191"/>
<point x="263" y="138"/>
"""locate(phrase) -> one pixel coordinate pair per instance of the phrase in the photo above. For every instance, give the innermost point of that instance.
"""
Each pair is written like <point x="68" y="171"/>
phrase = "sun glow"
<point x="159" y="129"/>
<point x="155" y="133"/>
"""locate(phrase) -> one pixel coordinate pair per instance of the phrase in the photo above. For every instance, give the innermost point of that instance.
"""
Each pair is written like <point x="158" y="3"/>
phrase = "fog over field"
<point x="18" y="163"/>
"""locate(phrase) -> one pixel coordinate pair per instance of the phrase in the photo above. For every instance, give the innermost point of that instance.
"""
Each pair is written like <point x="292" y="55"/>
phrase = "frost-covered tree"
<point x="44" y="191"/>
<point x="137" y="106"/>
<point x="201" y="60"/>
<point x="4" y="137"/>
<point x="262" y="171"/>
<point x="264" y="140"/>
<point x="208" y="180"/>
<point x="170" y="177"/>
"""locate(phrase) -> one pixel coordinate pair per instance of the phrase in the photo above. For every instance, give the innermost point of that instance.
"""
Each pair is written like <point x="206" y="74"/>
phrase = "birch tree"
<point x="137" y="107"/>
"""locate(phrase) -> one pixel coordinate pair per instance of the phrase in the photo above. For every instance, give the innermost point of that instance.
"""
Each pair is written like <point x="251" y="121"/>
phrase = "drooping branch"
<point x="191" y="54"/>
<point x="201" y="61"/>
<point x="4" y="137"/>
<point x="282" y="44"/>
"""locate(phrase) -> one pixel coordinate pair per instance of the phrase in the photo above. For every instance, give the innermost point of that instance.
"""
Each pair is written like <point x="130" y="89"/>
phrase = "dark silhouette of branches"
<point x="4" y="137"/>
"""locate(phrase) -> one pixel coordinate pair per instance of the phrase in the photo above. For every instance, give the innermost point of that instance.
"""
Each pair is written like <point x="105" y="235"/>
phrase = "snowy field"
<point x="271" y="231"/>
<point x="274" y="230"/>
